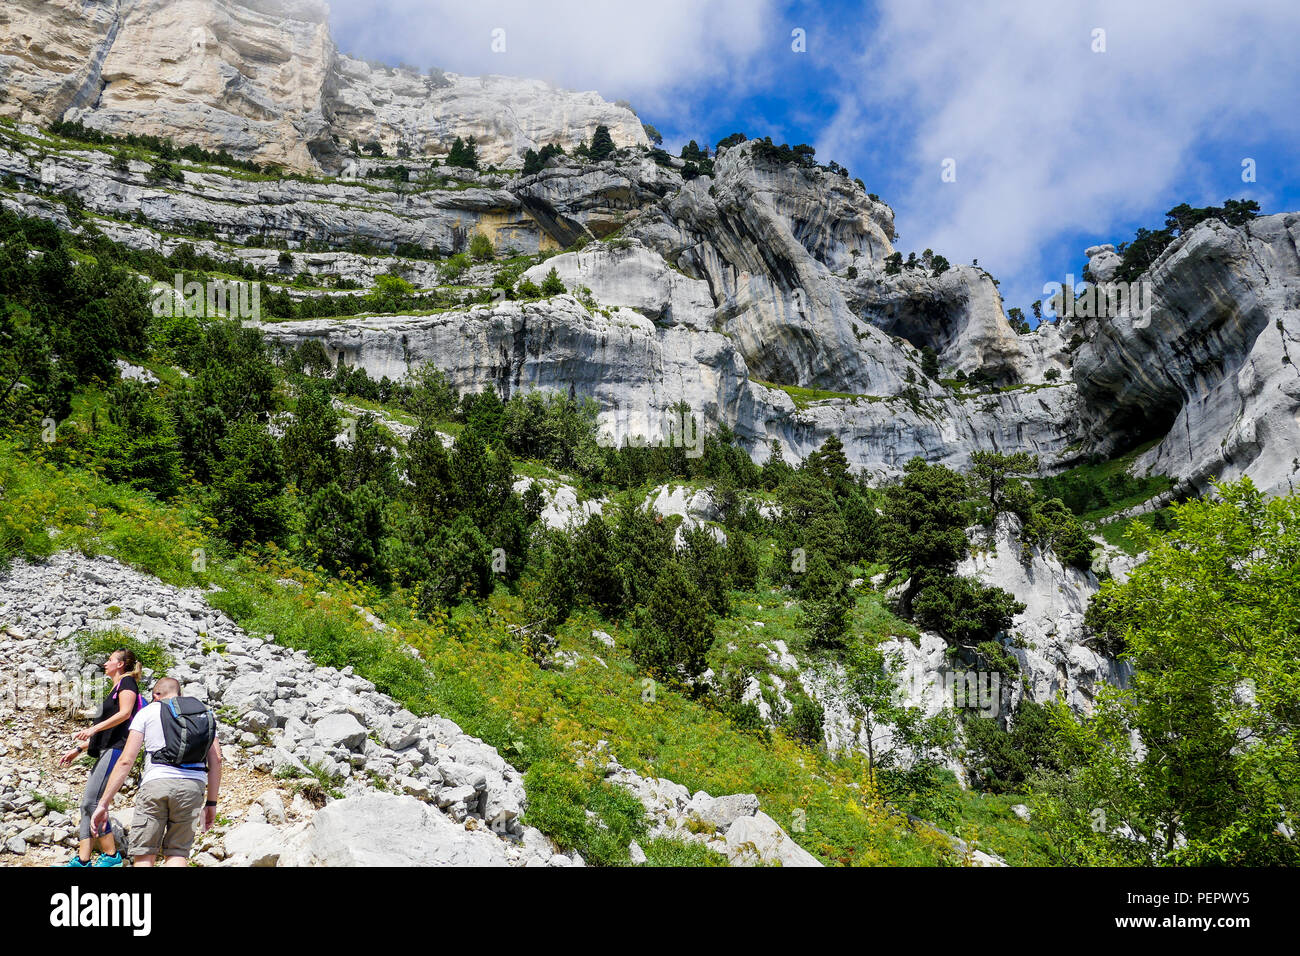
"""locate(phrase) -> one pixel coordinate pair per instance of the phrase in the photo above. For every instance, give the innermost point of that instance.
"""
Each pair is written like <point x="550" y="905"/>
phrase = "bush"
<point x="344" y="530"/>
<point x="454" y="267"/>
<point x="429" y="394"/>
<point x="706" y="561"/>
<point x="1003" y="761"/>
<point x="95" y="646"/>
<point x="457" y="563"/>
<point x="1052" y="525"/>
<point x="965" y="611"/>
<point x="138" y="443"/>
<point x="552" y="284"/>
<point x="676" y="629"/>
<point x="805" y="721"/>
<point x="480" y="247"/>
<point x="248" y="501"/>
<point x="583" y="813"/>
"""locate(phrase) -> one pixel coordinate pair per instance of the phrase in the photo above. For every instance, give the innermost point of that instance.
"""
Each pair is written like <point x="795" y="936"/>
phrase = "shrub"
<point x="248" y="500"/>
<point x="454" y="267"/>
<point x="583" y="813"/>
<point x="457" y="563"/>
<point x="552" y="284"/>
<point x="138" y="443"/>
<point x="1003" y="761"/>
<point x="805" y="721"/>
<point x="1052" y="525"/>
<point x="345" y="530"/>
<point x="676" y="629"/>
<point x="480" y="247"/>
<point x="965" y="611"/>
<point x="95" y="646"/>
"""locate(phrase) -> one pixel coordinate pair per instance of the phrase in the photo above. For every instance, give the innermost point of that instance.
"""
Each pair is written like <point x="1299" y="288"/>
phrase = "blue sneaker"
<point x="105" y="860"/>
<point x="77" y="861"/>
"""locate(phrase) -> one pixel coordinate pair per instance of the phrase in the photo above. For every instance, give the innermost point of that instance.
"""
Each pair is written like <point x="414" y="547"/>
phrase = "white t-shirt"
<point x="149" y="723"/>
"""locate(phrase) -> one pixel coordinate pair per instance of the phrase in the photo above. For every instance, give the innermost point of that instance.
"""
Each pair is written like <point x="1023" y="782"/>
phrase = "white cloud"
<point x="1050" y="139"/>
<point x="642" y="52"/>
<point x="1049" y="136"/>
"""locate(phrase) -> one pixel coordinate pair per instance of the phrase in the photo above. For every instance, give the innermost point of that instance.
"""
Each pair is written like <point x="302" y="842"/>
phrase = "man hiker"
<point x="182" y="776"/>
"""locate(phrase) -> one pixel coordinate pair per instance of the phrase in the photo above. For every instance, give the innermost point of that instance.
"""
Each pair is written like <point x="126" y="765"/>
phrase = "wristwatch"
<point x="210" y="803"/>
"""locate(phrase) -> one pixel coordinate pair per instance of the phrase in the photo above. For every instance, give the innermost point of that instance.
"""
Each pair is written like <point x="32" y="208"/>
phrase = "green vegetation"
<point x="464" y="153"/>
<point x="52" y="803"/>
<point x="1148" y="244"/>
<point x="1093" y="491"/>
<point x="163" y="147"/>
<point x="535" y="160"/>
<point x="803" y="397"/>
<point x="1213" y="705"/>
<point x="480" y="248"/>
<point x="96" y="646"/>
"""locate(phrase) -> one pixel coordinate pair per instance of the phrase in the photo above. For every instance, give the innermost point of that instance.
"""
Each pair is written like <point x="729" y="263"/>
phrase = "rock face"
<point x="759" y="294"/>
<point x="383" y="829"/>
<point x="1049" y="639"/>
<point x="423" y="114"/>
<point x="263" y="80"/>
<point x="1211" y="371"/>
<point x="292" y="210"/>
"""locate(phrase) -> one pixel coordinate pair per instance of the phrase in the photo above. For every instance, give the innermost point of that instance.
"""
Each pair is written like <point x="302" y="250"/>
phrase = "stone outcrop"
<point x="1211" y="370"/>
<point x="423" y="114"/>
<point x="732" y="825"/>
<point x="1047" y="639"/>
<point x="758" y="295"/>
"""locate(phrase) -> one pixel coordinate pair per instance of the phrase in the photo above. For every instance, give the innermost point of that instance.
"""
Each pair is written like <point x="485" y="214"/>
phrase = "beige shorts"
<point x="167" y="811"/>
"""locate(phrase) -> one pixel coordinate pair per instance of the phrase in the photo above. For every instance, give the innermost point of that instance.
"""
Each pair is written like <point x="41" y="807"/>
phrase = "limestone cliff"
<point x="264" y="80"/>
<point x="1210" y="370"/>
<point x="758" y="292"/>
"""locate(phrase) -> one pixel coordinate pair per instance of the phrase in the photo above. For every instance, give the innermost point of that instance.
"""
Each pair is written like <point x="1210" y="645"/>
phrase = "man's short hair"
<point x="167" y="687"/>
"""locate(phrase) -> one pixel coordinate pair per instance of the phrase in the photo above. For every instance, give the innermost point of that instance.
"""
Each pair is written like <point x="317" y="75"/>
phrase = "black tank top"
<point x="115" y="737"/>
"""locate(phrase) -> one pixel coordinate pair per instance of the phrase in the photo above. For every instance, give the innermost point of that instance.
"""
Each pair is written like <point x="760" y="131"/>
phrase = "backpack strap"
<point x="182" y="744"/>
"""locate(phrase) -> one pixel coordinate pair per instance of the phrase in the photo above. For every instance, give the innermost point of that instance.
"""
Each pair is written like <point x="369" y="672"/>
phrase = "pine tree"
<point x="602" y="144"/>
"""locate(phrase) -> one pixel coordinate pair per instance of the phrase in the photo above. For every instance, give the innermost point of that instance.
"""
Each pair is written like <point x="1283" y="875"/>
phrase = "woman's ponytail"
<point x="131" y="663"/>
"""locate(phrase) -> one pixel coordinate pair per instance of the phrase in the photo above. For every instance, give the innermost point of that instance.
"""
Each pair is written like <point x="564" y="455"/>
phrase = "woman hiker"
<point x="105" y="740"/>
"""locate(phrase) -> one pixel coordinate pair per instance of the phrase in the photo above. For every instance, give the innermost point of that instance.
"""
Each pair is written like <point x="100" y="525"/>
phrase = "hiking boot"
<point x="105" y="860"/>
<point x="77" y="861"/>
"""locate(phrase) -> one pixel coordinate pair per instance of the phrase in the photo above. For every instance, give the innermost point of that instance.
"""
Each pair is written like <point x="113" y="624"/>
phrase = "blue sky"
<point x="1062" y="137"/>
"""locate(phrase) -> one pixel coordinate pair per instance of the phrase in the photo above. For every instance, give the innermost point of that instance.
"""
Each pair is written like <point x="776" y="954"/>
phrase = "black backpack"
<point x="189" y="727"/>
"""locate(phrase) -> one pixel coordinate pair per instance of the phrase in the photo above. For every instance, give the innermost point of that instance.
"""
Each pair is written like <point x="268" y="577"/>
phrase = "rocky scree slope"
<point x="410" y="790"/>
